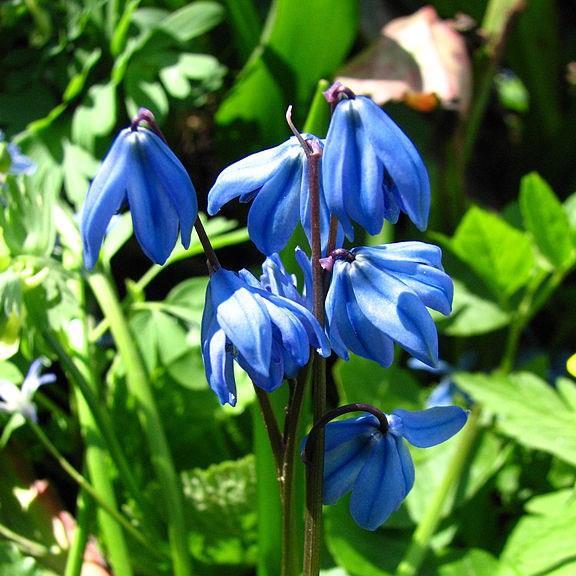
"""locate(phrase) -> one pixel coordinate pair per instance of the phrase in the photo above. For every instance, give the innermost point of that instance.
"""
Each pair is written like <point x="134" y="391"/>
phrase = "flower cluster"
<point x="368" y="172"/>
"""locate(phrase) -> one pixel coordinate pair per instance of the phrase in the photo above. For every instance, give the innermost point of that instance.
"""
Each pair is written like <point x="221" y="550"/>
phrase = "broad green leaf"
<point x="528" y="409"/>
<point x="542" y="545"/>
<point x="142" y="90"/>
<point x="96" y="115"/>
<point x="471" y="314"/>
<point x="570" y="207"/>
<point x="77" y="82"/>
<point x="79" y="168"/>
<point x="501" y="255"/>
<point x="298" y="48"/>
<point x="361" y="380"/>
<point x="192" y="20"/>
<point x="118" y="233"/>
<point x="551" y="504"/>
<point x="546" y="219"/>
<point x="10" y="372"/>
<point x="244" y="19"/>
<point x="221" y="506"/>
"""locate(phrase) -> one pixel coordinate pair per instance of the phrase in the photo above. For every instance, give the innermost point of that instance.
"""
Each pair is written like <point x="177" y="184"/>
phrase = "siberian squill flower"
<point x="268" y="335"/>
<point x="370" y="168"/>
<point x="276" y="182"/>
<point x="378" y="295"/>
<point x="142" y="171"/>
<point x="372" y="462"/>
<point x="18" y="400"/>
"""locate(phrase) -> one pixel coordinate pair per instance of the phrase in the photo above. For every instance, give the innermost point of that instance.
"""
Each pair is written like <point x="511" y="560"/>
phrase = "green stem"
<point x="84" y="512"/>
<point x="103" y="422"/>
<point x="416" y="553"/>
<point x="140" y="387"/>
<point x="271" y="424"/>
<point x="89" y="489"/>
<point x="24" y="544"/>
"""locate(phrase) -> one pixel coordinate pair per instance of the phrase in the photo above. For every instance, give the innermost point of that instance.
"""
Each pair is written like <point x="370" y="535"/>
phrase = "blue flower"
<point x="376" y="466"/>
<point x="141" y="170"/>
<point x="268" y="335"/>
<point x="276" y="180"/>
<point x="446" y="391"/>
<point x="371" y="169"/>
<point x="19" y="163"/>
<point x="15" y="400"/>
<point x="378" y="295"/>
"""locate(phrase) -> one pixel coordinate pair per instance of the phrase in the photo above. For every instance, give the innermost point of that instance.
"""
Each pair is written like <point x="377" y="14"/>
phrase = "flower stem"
<point x="139" y="385"/>
<point x="271" y="424"/>
<point x="89" y="489"/>
<point x="410" y="565"/>
<point x="315" y="468"/>
<point x="84" y="512"/>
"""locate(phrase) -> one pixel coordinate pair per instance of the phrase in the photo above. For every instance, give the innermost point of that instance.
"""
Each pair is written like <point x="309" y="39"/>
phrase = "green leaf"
<point x="547" y="221"/>
<point x="570" y="207"/>
<point x="118" y="234"/>
<point x="528" y="410"/>
<point x="298" y="48"/>
<point x="358" y="551"/>
<point x="79" y="168"/>
<point x="14" y="563"/>
<point x="471" y="314"/>
<point x="96" y="116"/>
<point x="77" y="82"/>
<point x="221" y="506"/>
<point x="501" y="255"/>
<point x="551" y="504"/>
<point x="474" y="562"/>
<point x="192" y="20"/>
<point x="360" y="380"/>
<point x="542" y="545"/>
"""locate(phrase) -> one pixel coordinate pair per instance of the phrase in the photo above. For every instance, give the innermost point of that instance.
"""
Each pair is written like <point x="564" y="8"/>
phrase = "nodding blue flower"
<point x="15" y="400"/>
<point x="375" y="465"/>
<point x="371" y="169"/>
<point x="19" y="163"/>
<point x="446" y="392"/>
<point x="276" y="181"/>
<point x="378" y="295"/>
<point x="269" y="336"/>
<point x="140" y="169"/>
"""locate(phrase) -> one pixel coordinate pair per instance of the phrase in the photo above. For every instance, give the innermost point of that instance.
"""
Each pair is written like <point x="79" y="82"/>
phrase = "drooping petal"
<point x="153" y="214"/>
<point x="304" y="263"/>
<point x="274" y="213"/>
<point x="244" y="320"/>
<point x="347" y="446"/>
<point x="175" y="182"/>
<point x="427" y="428"/>
<point x="434" y="287"/>
<point x="218" y="361"/>
<point x="380" y="487"/>
<point x="246" y="175"/>
<point x="276" y="280"/>
<point x="395" y="310"/>
<point x="413" y="251"/>
<point x="105" y="197"/>
<point x="400" y="159"/>
<point x="34" y="379"/>
<point x="350" y="324"/>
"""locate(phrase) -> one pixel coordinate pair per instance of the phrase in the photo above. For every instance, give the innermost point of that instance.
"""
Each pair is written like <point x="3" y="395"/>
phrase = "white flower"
<point x="15" y="400"/>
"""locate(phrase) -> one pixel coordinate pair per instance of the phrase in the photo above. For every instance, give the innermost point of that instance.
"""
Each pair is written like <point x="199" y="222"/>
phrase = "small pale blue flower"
<point x="268" y="335"/>
<point x="371" y="169"/>
<point x="15" y="400"/>
<point x="140" y="169"/>
<point x="19" y="163"/>
<point x="376" y="466"/>
<point x="277" y="183"/>
<point x="378" y="295"/>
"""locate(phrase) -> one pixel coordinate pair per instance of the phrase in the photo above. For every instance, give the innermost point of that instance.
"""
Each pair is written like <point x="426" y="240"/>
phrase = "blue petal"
<point x="427" y="428"/>
<point x="347" y="446"/>
<point x="276" y="371"/>
<point x="243" y="318"/>
<point x="176" y="183"/>
<point x="104" y="198"/>
<point x="306" y="267"/>
<point x="246" y="176"/>
<point x="400" y="158"/>
<point x="352" y="327"/>
<point x="274" y="213"/>
<point x="276" y="280"/>
<point x="434" y="287"/>
<point x="153" y="214"/>
<point x="442" y="394"/>
<point x="218" y="362"/>
<point x="413" y="251"/>
<point x="380" y="487"/>
<point x="395" y="310"/>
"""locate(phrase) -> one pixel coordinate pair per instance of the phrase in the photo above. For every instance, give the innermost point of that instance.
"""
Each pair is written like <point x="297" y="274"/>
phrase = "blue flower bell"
<point x="140" y="169"/>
